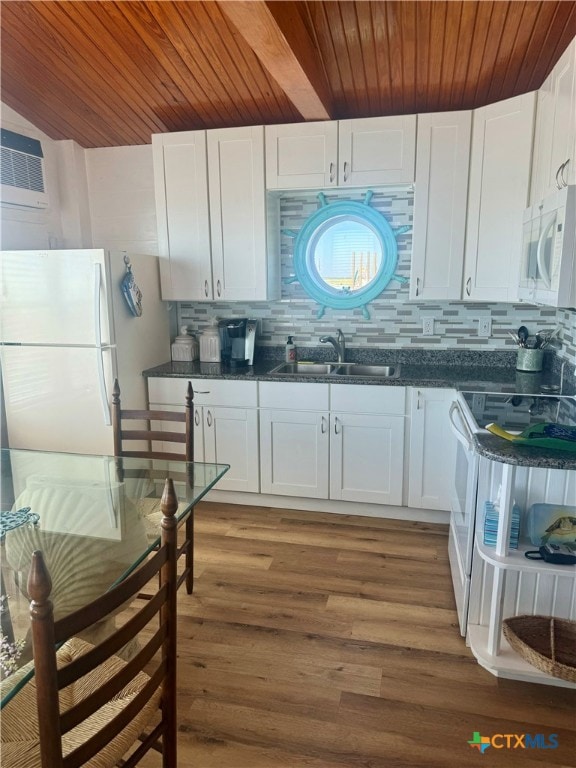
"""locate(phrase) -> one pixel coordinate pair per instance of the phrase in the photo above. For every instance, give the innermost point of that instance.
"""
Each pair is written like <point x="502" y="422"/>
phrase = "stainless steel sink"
<point x="336" y="369"/>
<point x="303" y="368"/>
<point x="372" y="371"/>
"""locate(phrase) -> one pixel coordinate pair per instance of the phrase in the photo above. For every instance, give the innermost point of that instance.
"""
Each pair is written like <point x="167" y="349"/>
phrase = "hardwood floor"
<point x="329" y="641"/>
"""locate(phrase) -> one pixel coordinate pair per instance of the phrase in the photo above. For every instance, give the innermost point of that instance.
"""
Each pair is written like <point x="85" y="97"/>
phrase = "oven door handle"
<point x="542" y="268"/>
<point x="463" y="434"/>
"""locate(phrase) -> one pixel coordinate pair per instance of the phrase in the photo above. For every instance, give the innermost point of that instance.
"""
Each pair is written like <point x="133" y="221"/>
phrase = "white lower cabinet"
<point x="294" y="439"/>
<point x="432" y="449"/>
<point x="230" y="436"/>
<point x="294" y="453"/>
<point x="225" y="425"/>
<point x="325" y="441"/>
<point x="320" y="441"/>
<point x="366" y="458"/>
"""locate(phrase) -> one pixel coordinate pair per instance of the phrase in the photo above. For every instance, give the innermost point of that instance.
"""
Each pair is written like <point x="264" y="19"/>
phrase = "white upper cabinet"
<point x="214" y="239"/>
<point x="181" y="188"/>
<point x="302" y="155"/>
<point x="498" y="194"/>
<point x="441" y="188"/>
<point x="370" y="151"/>
<point x="241" y="269"/>
<point x="376" y="150"/>
<point x="554" y="161"/>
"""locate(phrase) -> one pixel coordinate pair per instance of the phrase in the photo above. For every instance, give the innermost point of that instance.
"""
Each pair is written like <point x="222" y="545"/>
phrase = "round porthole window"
<point x="346" y="254"/>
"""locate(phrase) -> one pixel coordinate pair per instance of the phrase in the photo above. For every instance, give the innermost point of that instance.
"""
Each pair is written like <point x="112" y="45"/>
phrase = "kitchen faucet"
<point x="338" y="344"/>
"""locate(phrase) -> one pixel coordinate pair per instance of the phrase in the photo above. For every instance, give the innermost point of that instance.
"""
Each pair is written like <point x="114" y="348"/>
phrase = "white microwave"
<point x="548" y="264"/>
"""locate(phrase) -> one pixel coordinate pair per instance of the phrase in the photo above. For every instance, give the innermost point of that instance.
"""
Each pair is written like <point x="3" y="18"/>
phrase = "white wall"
<point x="121" y="194"/>
<point x="27" y="228"/>
<point x="66" y="221"/>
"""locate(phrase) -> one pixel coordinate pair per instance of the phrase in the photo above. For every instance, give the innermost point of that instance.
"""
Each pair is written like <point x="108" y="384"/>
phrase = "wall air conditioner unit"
<point x="22" y="171"/>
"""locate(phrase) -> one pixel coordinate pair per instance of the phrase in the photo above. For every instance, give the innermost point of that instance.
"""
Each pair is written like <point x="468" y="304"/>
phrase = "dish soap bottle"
<point x="290" y="350"/>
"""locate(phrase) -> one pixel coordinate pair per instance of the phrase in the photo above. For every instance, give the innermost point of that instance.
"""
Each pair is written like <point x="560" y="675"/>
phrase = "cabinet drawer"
<point x="294" y="395"/>
<point x="360" y="398"/>
<point x="206" y="392"/>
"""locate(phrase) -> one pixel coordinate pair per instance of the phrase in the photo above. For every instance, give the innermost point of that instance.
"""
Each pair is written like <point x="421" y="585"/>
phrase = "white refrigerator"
<point x="66" y="332"/>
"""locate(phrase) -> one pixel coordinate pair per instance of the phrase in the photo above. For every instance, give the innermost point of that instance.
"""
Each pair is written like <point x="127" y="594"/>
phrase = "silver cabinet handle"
<point x="345" y="170"/>
<point x="468" y="284"/>
<point x="196" y="417"/>
<point x="323" y="425"/>
<point x="417" y="286"/>
<point x="558" y="185"/>
<point x="336" y="420"/>
<point x="562" y="167"/>
<point x="209" y="418"/>
<point x="206" y="288"/>
<point x="218" y="287"/>
<point x="331" y="172"/>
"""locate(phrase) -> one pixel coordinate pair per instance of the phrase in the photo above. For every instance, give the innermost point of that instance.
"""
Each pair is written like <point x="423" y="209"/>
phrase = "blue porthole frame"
<point x="315" y="225"/>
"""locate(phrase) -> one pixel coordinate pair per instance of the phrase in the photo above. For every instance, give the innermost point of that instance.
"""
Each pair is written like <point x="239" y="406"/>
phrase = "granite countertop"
<point x="497" y="449"/>
<point x="460" y="370"/>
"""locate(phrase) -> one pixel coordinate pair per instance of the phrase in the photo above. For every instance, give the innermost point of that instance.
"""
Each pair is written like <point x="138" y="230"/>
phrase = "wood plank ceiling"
<point x="112" y="73"/>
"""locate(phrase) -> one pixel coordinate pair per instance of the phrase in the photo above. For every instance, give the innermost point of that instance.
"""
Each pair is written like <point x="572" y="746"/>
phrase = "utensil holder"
<point x="528" y="383"/>
<point x="530" y="360"/>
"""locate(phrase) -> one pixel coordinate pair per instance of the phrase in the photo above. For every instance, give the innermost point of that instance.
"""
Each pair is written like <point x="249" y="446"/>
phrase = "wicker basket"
<point x="548" y="643"/>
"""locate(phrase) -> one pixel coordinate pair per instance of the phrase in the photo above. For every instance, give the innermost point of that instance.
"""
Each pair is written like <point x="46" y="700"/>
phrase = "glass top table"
<point x="90" y="516"/>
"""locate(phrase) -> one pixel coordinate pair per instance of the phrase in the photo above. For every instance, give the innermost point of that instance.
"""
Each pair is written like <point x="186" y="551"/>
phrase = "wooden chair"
<point x="125" y="432"/>
<point x="86" y="706"/>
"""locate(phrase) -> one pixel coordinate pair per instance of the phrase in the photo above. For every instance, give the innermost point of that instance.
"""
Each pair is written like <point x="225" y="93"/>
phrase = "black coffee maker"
<point x="237" y="341"/>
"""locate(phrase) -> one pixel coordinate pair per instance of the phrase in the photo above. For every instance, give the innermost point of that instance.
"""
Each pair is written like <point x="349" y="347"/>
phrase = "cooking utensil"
<point x="546" y="337"/>
<point x="514" y="337"/>
<point x="539" y="340"/>
<point x="523" y="335"/>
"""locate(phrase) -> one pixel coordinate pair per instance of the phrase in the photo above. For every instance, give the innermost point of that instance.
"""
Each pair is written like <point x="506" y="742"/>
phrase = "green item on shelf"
<point x="559" y="437"/>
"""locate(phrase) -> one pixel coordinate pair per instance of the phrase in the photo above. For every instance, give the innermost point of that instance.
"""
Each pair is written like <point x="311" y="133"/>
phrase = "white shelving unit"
<point x="504" y="581"/>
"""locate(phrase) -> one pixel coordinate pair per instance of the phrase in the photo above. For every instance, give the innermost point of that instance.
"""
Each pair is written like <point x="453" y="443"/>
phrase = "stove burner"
<point x="516" y="412"/>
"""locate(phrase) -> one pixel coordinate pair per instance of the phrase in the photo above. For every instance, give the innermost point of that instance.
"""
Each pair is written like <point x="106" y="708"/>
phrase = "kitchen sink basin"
<point x="376" y="371"/>
<point x="337" y="369"/>
<point x="312" y="369"/>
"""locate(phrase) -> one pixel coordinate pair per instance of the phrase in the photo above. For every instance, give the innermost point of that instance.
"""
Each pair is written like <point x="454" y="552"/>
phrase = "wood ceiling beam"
<point x="277" y="35"/>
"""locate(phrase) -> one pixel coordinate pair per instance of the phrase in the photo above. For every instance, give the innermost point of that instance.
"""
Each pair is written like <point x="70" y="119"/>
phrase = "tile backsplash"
<point x="394" y="320"/>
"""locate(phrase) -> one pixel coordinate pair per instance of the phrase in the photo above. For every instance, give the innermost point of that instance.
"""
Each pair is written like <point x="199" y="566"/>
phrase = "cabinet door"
<point x="231" y="437"/>
<point x="441" y="190"/>
<point x="294" y="453"/>
<point x="498" y="195"/>
<point x="376" y="150"/>
<point x="555" y="132"/>
<point x="542" y="149"/>
<point x="181" y="190"/>
<point x="302" y="155"/>
<point x="432" y="450"/>
<point x="564" y="126"/>
<point x="366" y="458"/>
<point x="177" y="426"/>
<point x="238" y="213"/>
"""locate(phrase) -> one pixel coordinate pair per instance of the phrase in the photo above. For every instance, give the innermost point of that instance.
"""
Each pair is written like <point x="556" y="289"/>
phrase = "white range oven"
<point x="470" y="412"/>
<point x="462" y="507"/>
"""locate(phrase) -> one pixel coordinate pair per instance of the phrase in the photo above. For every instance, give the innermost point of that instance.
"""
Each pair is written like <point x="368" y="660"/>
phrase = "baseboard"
<point x="329" y="505"/>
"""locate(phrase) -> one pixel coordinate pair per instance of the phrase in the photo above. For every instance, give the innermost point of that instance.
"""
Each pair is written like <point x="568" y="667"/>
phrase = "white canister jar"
<point x="210" y="345"/>
<point x="185" y="347"/>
